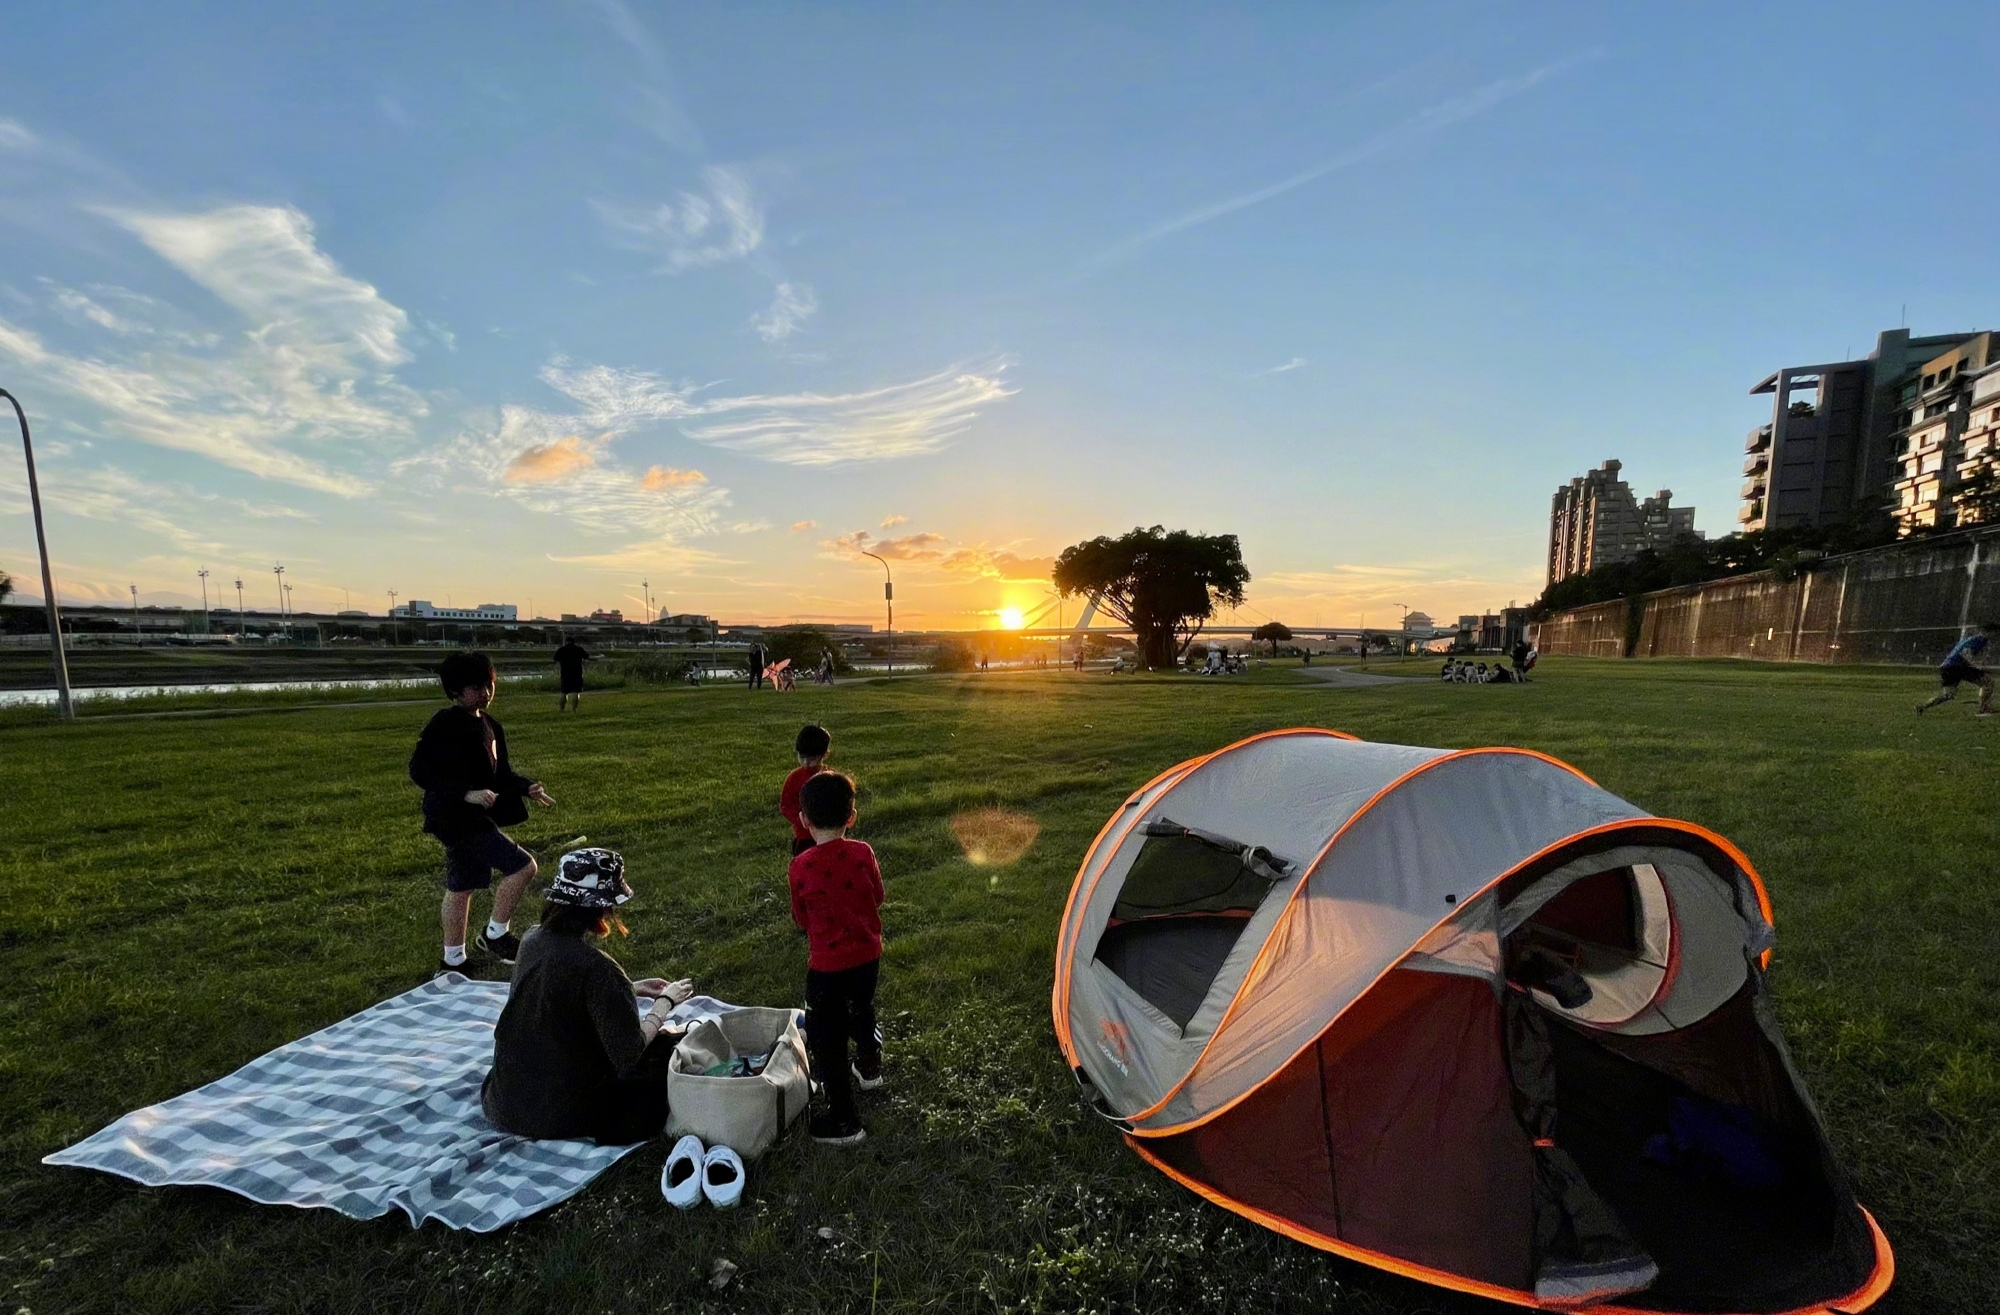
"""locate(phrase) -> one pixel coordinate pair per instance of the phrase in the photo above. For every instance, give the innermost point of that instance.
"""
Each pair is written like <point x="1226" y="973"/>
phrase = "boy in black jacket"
<point x="470" y="792"/>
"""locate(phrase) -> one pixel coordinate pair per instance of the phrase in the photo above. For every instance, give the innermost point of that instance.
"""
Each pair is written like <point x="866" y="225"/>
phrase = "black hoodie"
<point x="460" y="751"/>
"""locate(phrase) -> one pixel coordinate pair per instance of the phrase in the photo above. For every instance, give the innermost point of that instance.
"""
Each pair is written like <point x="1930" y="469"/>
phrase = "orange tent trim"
<point x="1867" y="1295"/>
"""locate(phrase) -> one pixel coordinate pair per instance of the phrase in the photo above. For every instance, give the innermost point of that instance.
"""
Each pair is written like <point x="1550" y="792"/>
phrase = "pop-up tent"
<point x="1465" y="1016"/>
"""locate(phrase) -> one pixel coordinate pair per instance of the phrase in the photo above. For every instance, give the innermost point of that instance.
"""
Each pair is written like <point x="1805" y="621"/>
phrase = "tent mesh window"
<point x="1184" y="905"/>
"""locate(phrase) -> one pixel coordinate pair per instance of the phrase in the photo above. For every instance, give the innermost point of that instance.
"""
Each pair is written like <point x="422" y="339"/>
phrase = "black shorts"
<point x="1951" y="673"/>
<point x="572" y="684"/>
<point x="471" y="861"/>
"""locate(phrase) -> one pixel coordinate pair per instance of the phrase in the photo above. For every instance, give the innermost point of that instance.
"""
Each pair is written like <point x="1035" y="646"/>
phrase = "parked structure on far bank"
<point x="1910" y="429"/>
<point x="1595" y="521"/>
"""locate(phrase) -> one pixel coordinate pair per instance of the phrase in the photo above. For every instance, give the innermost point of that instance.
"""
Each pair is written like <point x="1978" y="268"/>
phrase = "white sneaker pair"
<point x="693" y="1172"/>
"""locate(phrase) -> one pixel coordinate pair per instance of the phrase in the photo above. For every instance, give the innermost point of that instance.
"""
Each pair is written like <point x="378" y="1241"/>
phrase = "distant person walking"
<point x="1958" y="668"/>
<point x="1519" y="657"/>
<point x="569" y="660"/>
<point x="757" y="660"/>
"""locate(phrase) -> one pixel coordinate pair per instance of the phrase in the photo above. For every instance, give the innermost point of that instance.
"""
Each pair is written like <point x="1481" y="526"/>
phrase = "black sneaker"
<point x="503" y="947"/>
<point x="867" y="1077"/>
<point x="462" y="969"/>
<point x="830" y="1131"/>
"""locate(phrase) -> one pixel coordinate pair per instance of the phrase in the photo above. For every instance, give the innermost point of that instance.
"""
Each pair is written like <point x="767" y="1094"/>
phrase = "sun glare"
<point x="1010" y="618"/>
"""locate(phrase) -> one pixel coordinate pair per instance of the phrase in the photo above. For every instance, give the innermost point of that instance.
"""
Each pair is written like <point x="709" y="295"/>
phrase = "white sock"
<point x="454" y="956"/>
<point x="495" y="929"/>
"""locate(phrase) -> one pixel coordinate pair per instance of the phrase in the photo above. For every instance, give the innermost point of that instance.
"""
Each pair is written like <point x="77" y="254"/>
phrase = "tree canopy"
<point x="1163" y="583"/>
<point x="1696" y="560"/>
<point x="1273" y="633"/>
<point x="6" y="584"/>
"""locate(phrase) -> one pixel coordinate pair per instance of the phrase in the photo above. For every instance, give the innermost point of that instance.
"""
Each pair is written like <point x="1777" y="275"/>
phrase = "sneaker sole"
<point x="867" y="1084"/>
<point x="847" y="1139"/>
<point x="485" y="946"/>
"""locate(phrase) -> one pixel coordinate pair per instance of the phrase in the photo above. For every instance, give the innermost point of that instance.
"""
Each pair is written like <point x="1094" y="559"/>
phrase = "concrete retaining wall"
<point x="1906" y="602"/>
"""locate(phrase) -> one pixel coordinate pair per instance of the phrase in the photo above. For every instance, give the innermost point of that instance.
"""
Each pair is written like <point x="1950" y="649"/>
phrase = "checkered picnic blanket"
<point x="378" y="1112"/>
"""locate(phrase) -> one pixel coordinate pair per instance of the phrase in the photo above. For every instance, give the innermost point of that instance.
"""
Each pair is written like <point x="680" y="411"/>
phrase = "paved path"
<point x="1349" y="678"/>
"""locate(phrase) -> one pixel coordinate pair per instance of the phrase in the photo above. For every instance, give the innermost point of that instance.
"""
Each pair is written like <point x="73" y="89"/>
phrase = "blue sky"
<point x="528" y="306"/>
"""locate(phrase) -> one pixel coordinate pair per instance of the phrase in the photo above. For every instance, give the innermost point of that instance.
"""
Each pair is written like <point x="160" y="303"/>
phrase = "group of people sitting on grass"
<point x="572" y="1055"/>
<point x="1462" y="671"/>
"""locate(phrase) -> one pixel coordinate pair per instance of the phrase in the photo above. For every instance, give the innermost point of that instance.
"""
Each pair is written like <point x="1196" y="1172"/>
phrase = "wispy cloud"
<point x="1434" y="119"/>
<point x="14" y="136"/>
<point x="312" y="367"/>
<point x="666" y="477"/>
<point x="894" y="519"/>
<point x="977" y="559"/>
<point x="721" y="223"/>
<point x="823" y="429"/>
<point x="800" y="527"/>
<point x="923" y="547"/>
<point x="1286" y="368"/>
<point x="799" y="429"/>
<point x="792" y="304"/>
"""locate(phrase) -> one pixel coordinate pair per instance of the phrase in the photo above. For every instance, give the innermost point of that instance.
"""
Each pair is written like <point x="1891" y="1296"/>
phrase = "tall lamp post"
<point x="241" y="630"/>
<point x="284" y="622"/>
<point x="395" y="631"/>
<point x="203" y="573"/>
<point x="1403" y="633"/>
<point x="65" y="705"/>
<point x="135" y="614"/>
<point x="888" y="597"/>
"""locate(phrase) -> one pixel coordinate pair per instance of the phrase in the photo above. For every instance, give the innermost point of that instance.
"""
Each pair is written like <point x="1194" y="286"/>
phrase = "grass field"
<point x="183" y="894"/>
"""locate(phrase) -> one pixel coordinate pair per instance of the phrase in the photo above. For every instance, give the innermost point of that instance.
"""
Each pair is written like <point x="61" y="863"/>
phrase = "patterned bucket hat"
<point x="589" y="879"/>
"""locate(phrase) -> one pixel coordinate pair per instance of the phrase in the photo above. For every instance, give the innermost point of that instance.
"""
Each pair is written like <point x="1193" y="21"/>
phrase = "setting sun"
<point x="1010" y="618"/>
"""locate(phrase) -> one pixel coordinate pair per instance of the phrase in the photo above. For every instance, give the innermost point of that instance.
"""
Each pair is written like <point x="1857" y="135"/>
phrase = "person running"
<point x="1958" y="668"/>
<point x="572" y="1058"/>
<point x="471" y="790"/>
<point x="569" y="660"/>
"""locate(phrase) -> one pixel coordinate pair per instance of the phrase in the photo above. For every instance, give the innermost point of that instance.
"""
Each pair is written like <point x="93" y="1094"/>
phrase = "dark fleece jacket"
<point x="460" y="751"/>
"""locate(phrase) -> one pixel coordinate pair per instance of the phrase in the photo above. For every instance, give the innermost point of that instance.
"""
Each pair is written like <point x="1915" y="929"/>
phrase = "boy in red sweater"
<point x="811" y="746"/>
<point x="837" y="899"/>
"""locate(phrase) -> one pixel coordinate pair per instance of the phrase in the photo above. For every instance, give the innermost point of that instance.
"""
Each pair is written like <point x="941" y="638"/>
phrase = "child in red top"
<point x="837" y="899"/>
<point x="811" y="746"/>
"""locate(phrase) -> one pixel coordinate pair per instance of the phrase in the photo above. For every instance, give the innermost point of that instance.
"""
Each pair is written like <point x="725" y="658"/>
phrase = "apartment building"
<point x="1834" y="444"/>
<point x="1594" y="521"/>
<point x="1948" y="418"/>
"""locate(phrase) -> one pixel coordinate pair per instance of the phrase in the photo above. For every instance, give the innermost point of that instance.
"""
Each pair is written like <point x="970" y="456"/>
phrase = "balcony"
<point x="1750" y="511"/>
<point x="1760" y="438"/>
<point x="1752" y="488"/>
<point x="1756" y="463"/>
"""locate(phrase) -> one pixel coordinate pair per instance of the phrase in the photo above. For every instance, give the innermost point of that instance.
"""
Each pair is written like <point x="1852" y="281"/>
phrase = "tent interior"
<point x="1601" y="1091"/>
<point x="1184" y="904"/>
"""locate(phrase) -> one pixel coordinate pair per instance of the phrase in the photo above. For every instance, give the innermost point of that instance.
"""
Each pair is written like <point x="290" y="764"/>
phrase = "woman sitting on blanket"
<point x="572" y="1058"/>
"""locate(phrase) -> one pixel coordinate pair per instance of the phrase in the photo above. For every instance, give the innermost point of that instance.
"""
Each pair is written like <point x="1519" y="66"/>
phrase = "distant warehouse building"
<point x="421" y="609"/>
<point x="1594" y="521"/>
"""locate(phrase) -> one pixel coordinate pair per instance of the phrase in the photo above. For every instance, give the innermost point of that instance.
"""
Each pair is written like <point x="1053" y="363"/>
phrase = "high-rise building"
<point x="1835" y="455"/>
<point x="1948" y="421"/>
<point x="1594" y="521"/>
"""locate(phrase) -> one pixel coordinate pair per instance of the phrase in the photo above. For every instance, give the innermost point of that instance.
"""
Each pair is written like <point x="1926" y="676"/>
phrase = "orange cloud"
<point x="800" y="527"/>
<point x="894" y="519"/>
<point x="909" y="548"/>
<point x="549" y="462"/>
<point x="666" y="477"/>
<point x="984" y="562"/>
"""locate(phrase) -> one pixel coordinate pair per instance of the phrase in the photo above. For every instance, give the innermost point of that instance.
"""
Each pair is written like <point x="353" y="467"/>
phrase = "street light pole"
<point x="888" y="597"/>
<point x="284" y="622"/>
<point x="203" y="573"/>
<point x="1403" y="632"/>
<point x="242" y="630"/>
<point x="394" y="632"/>
<point x="135" y="614"/>
<point x="65" y="705"/>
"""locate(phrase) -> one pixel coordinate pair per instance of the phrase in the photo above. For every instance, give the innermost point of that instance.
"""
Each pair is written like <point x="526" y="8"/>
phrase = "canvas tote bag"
<point x="745" y="1114"/>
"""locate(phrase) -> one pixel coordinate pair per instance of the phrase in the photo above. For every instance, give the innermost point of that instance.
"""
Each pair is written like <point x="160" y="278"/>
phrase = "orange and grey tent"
<point x="1465" y="1016"/>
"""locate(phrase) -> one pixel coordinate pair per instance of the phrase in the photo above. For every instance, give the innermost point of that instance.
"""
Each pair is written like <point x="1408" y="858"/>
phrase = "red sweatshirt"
<point x="837" y="898"/>
<point x="788" y="800"/>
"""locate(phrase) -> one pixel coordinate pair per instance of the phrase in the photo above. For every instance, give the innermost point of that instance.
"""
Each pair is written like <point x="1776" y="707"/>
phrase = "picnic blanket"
<point x="378" y="1112"/>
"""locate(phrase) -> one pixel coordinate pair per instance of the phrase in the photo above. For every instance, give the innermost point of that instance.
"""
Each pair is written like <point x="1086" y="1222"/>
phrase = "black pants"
<point x="635" y="1107"/>
<point x="840" y="1007"/>
<point x="801" y="844"/>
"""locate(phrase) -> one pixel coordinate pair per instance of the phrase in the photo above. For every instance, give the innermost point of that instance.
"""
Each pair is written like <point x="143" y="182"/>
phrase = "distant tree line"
<point x="1696" y="560"/>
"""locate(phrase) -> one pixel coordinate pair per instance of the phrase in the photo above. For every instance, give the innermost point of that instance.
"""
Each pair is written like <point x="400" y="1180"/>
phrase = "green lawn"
<point x="184" y="894"/>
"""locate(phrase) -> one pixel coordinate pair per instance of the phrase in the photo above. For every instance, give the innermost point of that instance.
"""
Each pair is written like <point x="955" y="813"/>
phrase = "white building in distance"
<point x="422" y="609"/>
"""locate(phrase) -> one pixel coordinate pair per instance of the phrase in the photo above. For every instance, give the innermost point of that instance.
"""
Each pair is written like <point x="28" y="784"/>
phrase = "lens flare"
<point x="1011" y="618"/>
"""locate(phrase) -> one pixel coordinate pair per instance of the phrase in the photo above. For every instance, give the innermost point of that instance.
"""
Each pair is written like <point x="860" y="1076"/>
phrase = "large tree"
<point x="1273" y="633"/>
<point x="1164" y="584"/>
<point x="6" y="584"/>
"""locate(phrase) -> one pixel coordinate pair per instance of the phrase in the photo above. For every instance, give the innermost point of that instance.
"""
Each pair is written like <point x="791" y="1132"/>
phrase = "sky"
<point x="576" y="304"/>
